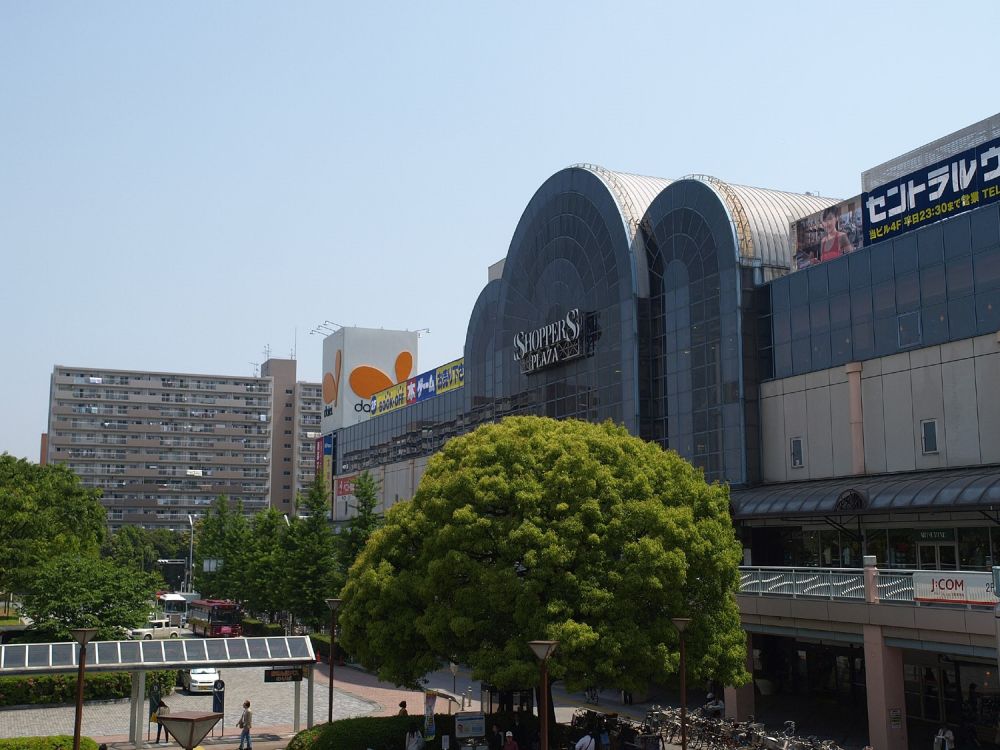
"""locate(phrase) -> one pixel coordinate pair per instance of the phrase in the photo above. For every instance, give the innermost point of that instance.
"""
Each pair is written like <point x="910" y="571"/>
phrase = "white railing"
<point x="821" y="583"/>
<point x="893" y="586"/>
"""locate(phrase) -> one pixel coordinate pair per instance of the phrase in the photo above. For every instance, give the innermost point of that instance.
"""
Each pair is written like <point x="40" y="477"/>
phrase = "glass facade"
<point x="930" y="286"/>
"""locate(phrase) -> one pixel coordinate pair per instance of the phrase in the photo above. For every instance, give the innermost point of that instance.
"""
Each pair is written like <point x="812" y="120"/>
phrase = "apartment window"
<point x="798" y="459"/>
<point x="928" y="436"/>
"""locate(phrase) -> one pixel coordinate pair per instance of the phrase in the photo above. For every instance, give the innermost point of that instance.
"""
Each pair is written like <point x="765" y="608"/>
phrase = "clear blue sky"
<point x="182" y="184"/>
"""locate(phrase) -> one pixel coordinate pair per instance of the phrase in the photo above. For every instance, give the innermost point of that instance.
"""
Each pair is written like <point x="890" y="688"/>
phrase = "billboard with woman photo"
<point x="827" y="234"/>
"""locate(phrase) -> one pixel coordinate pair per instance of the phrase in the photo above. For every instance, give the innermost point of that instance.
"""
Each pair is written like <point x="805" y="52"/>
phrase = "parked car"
<point x="158" y="628"/>
<point x="199" y="679"/>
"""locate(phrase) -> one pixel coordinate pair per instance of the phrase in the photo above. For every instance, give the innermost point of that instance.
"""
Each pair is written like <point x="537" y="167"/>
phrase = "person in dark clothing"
<point x="495" y="738"/>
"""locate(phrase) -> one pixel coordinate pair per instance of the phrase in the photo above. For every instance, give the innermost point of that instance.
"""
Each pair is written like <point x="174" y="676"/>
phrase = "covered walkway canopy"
<point x="975" y="488"/>
<point x="175" y="653"/>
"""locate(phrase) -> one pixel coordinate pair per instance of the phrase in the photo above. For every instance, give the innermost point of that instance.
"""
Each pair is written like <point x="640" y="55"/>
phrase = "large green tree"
<point x="44" y="511"/>
<point x="563" y="530"/>
<point x="362" y="524"/>
<point x="311" y="574"/>
<point x="223" y="537"/>
<point x="266" y="568"/>
<point x="69" y="591"/>
<point x="131" y="547"/>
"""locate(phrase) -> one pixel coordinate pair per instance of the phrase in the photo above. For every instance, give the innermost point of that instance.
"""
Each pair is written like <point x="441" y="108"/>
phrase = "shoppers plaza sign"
<point x="552" y="344"/>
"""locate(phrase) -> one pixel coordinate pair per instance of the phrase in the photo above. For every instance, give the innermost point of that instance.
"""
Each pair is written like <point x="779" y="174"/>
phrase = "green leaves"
<point x="533" y="528"/>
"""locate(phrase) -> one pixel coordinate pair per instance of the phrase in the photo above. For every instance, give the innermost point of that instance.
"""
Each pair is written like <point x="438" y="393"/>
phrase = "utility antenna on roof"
<point x="256" y="368"/>
<point x="267" y="352"/>
<point x="295" y="342"/>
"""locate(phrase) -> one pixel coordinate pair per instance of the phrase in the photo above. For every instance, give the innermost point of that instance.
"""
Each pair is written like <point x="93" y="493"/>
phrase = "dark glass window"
<point x="801" y="356"/>
<point x="838" y="276"/>
<point x="817" y="281"/>
<point x="907" y="292"/>
<point x="988" y="311"/>
<point x="779" y="294"/>
<point x="782" y="327"/>
<point x="957" y="239"/>
<point x="886" y="336"/>
<point x="840" y="310"/>
<point x="884" y="299"/>
<point x="987" y="269"/>
<point x="904" y="254"/>
<point x="800" y="322"/>
<point x="930" y="245"/>
<point x="933" y="289"/>
<point x="861" y="304"/>
<point x="863" y="339"/>
<point x="961" y="318"/>
<point x="782" y="361"/>
<point x="881" y="259"/>
<point x="934" y="319"/>
<point x="860" y="268"/>
<point x="984" y="227"/>
<point x="819" y="316"/>
<point x="798" y="289"/>
<point x="840" y="346"/>
<point x="959" y="275"/>
<point x="820" y="351"/>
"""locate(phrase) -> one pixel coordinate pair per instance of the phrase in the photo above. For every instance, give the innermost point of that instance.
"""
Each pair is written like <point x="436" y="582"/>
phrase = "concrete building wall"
<point x="953" y="385"/>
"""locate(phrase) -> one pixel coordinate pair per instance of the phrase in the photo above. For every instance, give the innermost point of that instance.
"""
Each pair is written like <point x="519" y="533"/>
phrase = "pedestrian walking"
<point x="162" y="710"/>
<point x="402" y="709"/>
<point x="509" y="742"/>
<point x="245" y="723"/>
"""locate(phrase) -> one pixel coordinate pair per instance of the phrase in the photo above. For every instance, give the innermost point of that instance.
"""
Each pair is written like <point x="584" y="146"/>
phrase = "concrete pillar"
<point x="137" y="718"/>
<point x="857" y="418"/>
<point x="871" y="580"/>
<point x="310" y="694"/>
<point x="740" y="700"/>
<point x="886" y="702"/>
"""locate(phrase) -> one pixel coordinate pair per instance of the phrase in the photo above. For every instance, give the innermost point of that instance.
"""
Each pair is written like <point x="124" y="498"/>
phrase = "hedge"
<point x="252" y="627"/>
<point x="321" y="645"/>
<point x="61" y="688"/>
<point x="388" y="732"/>
<point x="55" y="742"/>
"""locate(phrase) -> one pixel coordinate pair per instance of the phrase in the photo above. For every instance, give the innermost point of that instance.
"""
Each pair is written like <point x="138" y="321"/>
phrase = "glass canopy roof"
<point x="174" y="653"/>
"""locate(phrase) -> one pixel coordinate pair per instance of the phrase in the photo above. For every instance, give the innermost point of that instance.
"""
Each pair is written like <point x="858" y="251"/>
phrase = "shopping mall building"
<point x="837" y="363"/>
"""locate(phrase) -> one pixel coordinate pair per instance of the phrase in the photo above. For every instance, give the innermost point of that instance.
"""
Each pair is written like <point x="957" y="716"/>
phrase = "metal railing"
<point x="818" y="583"/>
<point x="893" y="586"/>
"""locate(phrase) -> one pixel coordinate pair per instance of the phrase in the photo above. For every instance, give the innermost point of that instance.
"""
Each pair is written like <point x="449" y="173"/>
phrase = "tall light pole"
<point x="83" y="636"/>
<point x="191" y="555"/>
<point x="681" y="624"/>
<point x="543" y="651"/>
<point x="334" y="605"/>
<point x="453" y="667"/>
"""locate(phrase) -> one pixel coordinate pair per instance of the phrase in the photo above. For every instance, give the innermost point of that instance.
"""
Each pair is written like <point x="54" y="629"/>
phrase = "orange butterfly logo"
<point x="364" y="380"/>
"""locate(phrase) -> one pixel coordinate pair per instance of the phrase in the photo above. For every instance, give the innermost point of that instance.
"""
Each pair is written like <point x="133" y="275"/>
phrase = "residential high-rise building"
<point x="163" y="445"/>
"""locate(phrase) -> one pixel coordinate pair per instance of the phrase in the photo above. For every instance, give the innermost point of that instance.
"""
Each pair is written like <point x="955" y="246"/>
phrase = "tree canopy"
<point x="44" y="511"/>
<point x="69" y="591"/>
<point x="559" y="530"/>
<point x="362" y="524"/>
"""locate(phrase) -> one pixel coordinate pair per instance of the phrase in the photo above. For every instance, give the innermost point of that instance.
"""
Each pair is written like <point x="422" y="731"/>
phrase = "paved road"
<point x="273" y="705"/>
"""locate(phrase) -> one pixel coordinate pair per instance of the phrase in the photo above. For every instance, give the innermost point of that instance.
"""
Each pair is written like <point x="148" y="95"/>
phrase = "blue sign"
<point x="946" y="188"/>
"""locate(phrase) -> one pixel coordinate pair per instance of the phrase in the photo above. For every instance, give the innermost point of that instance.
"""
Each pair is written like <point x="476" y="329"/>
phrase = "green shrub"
<point x="55" y="742"/>
<point x="61" y="688"/>
<point x="252" y="627"/>
<point x="321" y="645"/>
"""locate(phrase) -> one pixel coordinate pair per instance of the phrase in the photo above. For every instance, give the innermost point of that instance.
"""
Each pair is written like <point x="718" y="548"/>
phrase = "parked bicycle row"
<point x="705" y="731"/>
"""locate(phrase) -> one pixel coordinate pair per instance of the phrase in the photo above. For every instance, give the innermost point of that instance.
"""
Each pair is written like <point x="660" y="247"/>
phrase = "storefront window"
<point x="876" y="543"/>
<point x="902" y="549"/>
<point x="829" y="546"/>
<point x="810" y="549"/>
<point x="974" y="549"/>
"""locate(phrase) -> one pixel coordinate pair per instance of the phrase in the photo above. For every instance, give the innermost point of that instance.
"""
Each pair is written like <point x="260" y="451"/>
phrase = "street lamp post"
<point x="83" y="636"/>
<point x="334" y="605"/>
<point x="681" y="624"/>
<point x="191" y="555"/>
<point x="453" y="667"/>
<point x="543" y="651"/>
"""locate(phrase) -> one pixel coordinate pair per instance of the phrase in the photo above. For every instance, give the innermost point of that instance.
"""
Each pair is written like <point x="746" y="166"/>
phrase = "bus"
<point x="215" y="618"/>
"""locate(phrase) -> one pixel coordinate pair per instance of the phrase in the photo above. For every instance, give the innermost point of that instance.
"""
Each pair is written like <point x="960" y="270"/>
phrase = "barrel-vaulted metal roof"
<point x="761" y="219"/>
<point x="633" y="193"/>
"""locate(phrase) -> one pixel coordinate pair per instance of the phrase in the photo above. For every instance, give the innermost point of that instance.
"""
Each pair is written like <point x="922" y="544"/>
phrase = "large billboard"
<point x="357" y="364"/>
<point x="441" y="379"/>
<point x="943" y="189"/>
<point x="827" y="234"/>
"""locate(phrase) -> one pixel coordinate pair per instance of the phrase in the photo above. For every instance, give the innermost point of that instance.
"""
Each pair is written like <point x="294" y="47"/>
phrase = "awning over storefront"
<point x="975" y="488"/>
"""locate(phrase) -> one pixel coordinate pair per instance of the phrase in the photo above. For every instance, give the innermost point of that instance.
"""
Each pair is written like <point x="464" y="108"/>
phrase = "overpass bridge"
<point x="905" y="622"/>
